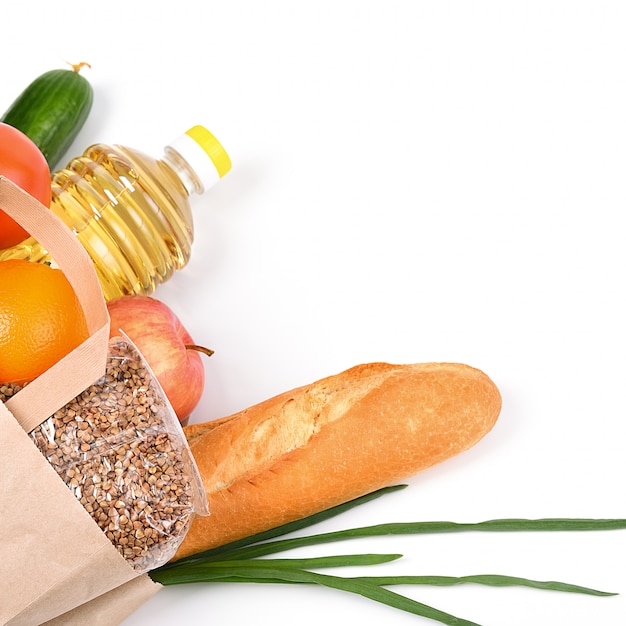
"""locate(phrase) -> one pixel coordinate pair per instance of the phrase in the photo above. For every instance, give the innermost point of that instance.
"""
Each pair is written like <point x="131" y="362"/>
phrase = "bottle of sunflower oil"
<point x="131" y="211"/>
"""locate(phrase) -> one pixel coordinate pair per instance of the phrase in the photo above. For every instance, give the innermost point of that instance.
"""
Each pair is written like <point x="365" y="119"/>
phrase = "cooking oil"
<point x="131" y="211"/>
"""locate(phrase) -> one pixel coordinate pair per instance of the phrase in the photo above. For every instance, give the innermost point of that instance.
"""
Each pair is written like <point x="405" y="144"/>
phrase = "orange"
<point x="41" y="319"/>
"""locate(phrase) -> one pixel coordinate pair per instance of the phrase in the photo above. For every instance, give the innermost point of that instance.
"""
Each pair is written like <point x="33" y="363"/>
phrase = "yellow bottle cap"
<point x="203" y="154"/>
<point x="214" y="149"/>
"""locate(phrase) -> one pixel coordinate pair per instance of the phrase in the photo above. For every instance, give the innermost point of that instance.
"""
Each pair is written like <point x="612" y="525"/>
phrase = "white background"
<point x="412" y="181"/>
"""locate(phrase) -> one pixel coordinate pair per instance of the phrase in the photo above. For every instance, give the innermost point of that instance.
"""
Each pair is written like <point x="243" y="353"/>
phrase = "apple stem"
<point x="202" y="349"/>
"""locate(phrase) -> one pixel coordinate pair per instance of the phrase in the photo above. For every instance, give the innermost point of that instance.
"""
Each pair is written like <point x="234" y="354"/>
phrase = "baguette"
<point x="336" y="439"/>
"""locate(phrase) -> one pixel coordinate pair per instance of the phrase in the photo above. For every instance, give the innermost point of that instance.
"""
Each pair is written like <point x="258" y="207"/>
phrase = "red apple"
<point x="166" y="346"/>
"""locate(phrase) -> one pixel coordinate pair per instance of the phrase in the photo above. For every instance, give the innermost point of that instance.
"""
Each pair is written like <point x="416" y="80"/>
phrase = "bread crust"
<point x="336" y="439"/>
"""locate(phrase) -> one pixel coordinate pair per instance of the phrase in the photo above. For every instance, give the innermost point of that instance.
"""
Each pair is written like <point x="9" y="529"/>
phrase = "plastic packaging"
<point x="120" y="449"/>
<point x="131" y="211"/>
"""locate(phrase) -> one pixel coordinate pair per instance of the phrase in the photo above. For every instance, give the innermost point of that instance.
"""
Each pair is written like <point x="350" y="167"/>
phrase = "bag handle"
<point x="87" y="362"/>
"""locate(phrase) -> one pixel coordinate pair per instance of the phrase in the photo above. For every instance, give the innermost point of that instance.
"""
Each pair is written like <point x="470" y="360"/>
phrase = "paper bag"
<point x="56" y="565"/>
<point x="112" y="607"/>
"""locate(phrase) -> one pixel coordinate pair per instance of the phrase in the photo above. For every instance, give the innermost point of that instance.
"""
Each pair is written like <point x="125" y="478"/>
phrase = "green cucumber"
<point x="52" y="110"/>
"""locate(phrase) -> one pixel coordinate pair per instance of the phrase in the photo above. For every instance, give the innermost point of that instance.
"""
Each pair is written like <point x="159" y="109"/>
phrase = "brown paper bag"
<point x="56" y="565"/>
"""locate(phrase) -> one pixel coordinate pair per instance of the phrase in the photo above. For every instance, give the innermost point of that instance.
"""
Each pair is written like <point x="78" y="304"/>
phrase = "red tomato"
<point x="22" y="162"/>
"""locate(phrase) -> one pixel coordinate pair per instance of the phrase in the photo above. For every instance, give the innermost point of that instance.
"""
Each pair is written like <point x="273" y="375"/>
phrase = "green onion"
<point x="491" y="580"/>
<point x="412" y="528"/>
<point x="241" y="560"/>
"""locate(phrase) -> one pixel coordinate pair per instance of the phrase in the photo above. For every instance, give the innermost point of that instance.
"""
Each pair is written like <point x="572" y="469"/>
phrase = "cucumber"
<point x="52" y="110"/>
